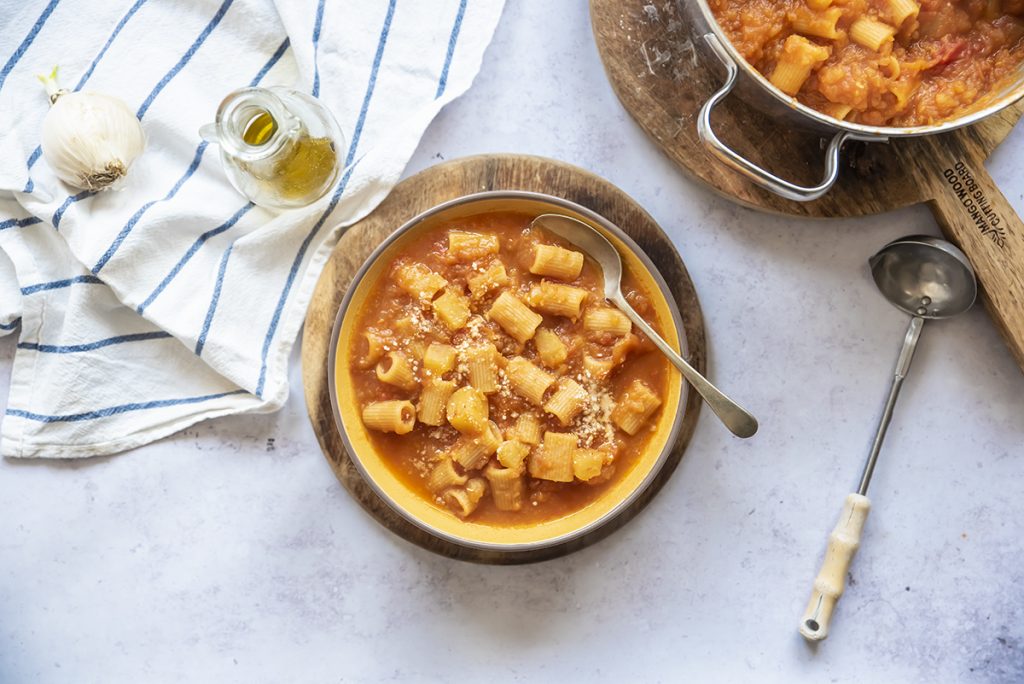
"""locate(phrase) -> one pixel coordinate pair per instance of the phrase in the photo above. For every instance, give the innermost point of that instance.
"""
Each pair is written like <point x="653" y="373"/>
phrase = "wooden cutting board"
<point x="662" y="81"/>
<point x="428" y="189"/>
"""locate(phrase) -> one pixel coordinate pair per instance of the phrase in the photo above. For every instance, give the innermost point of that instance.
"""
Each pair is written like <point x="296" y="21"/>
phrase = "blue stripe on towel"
<point x="452" y="40"/>
<point x="59" y="214"/>
<point x="213" y="300"/>
<point x="200" y="241"/>
<point x="85" y="77"/>
<point x="32" y="159"/>
<point x="98" y="344"/>
<point x="116" y="244"/>
<point x="115" y="410"/>
<point x="117" y="29"/>
<point x="382" y="41"/>
<point x="316" y="47"/>
<point x="12" y="325"/>
<point x="19" y="223"/>
<point x="57" y="284"/>
<point x="184" y="58"/>
<point x="32" y="33"/>
<point x="281" y="49"/>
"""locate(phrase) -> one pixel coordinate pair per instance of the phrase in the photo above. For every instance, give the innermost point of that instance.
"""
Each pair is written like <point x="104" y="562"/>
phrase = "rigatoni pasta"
<point x="515" y="317"/>
<point x="553" y="460"/>
<point x="481" y="361"/>
<point x="472" y="452"/>
<point x="498" y="393"/>
<point x="467" y="246"/>
<point x="452" y="309"/>
<point x="390" y="416"/>
<point x="433" y="400"/>
<point x="507" y="487"/>
<point x="395" y="369"/>
<point x="526" y="429"/>
<point x="566" y="401"/>
<point x="605" y="319"/>
<point x="490" y="279"/>
<point x="636" y="405"/>
<point x="557" y="262"/>
<point x="373" y="349"/>
<point x="871" y="33"/>
<point x="444" y="475"/>
<point x="798" y="57"/>
<point x="529" y="381"/>
<point x="464" y="500"/>
<point x="901" y="10"/>
<point x="557" y="299"/>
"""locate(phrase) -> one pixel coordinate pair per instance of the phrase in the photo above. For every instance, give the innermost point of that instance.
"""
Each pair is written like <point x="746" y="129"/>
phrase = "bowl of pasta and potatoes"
<point x="869" y="70"/>
<point x="486" y="390"/>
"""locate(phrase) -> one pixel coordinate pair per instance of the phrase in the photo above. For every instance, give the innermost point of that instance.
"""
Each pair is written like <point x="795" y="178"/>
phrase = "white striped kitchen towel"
<point x="173" y="300"/>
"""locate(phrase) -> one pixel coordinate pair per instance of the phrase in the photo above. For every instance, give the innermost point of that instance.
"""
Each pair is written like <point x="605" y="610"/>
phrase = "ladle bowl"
<point x="925" y="276"/>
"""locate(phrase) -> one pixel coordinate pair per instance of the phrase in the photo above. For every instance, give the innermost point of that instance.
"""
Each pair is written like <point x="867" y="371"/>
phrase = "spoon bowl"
<point x="597" y="246"/>
<point x="925" y="276"/>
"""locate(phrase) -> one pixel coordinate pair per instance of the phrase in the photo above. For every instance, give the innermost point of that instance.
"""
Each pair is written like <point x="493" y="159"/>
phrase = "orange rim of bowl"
<point x="439" y="522"/>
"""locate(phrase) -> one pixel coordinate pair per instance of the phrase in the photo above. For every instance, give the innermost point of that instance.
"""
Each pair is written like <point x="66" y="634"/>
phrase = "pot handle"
<point x="758" y="175"/>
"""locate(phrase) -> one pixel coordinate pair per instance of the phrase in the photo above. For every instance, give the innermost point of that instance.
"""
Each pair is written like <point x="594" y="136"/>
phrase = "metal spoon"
<point x="739" y="422"/>
<point x="927" y="278"/>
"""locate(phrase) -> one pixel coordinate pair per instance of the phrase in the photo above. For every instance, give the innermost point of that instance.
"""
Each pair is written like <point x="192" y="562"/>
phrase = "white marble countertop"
<point x="229" y="553"/>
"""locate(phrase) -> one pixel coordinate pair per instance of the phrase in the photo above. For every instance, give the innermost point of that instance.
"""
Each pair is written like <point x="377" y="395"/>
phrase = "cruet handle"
<point x="209" y="132"/>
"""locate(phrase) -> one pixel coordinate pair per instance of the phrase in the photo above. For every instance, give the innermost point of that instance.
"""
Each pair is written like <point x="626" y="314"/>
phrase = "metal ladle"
<point x="928" y="278"/>
<point x="732" y="415"/>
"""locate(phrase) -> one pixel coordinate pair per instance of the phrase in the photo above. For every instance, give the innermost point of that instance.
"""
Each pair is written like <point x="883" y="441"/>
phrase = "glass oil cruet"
<point x="279" y="147"/>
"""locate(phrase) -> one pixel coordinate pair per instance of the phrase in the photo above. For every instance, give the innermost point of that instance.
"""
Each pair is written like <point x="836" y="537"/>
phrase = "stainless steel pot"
<point x="758" y="91"/>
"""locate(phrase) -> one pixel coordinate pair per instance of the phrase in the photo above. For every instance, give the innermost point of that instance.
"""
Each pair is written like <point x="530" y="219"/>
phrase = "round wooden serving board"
<point x="421" y="192"/>
<point x="663" y="77"/>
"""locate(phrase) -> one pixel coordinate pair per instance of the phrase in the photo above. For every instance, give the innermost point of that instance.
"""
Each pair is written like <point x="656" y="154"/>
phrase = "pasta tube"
<point x="556" y="262"/>
<point x="553" y="460"/>
<point x="394" y="369"/>
<point x="390" y="416"/>
<point x="514" y="317"/>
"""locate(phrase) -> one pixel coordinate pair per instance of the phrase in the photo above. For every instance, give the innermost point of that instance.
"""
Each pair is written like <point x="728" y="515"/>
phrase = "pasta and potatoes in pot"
<point x="494" y="378"/>
<point x="880" y="62"/>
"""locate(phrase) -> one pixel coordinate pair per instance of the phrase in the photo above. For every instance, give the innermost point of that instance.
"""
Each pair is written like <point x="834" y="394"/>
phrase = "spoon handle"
<point x="732" y="415"/>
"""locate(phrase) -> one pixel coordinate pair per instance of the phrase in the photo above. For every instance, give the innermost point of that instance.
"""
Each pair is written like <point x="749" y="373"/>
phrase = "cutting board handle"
<point x="978" y="219"/>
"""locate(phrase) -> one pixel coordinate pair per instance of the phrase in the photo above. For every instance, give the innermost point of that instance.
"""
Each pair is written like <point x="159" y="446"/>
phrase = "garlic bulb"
<point x="89" y="139"/>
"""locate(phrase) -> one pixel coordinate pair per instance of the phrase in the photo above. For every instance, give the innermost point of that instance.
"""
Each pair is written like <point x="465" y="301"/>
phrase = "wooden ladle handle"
<point x="831" y="580"/>
<point x="977" y="218"/>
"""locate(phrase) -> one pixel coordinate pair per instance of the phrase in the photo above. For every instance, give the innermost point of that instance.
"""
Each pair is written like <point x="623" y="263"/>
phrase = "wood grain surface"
<point x="662" y="80"/>
<point x="421" y="192"/>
